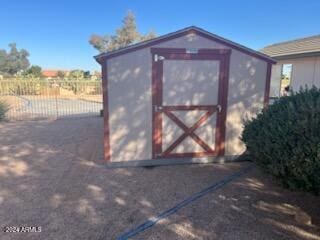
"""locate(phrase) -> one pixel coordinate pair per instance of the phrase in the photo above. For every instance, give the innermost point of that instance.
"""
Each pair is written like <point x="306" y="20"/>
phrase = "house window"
<point x="286" y="75"/>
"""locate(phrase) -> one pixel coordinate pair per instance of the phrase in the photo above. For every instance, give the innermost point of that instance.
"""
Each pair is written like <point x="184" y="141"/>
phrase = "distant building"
<point x="53" y="73"/>
<point x="298" y="64"/>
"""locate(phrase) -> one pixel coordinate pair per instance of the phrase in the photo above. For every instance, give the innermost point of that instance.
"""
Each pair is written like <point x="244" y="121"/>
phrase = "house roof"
<point x="179" y="33"/>
<point x="52" y="73"/>
<point x="308" y="46"/>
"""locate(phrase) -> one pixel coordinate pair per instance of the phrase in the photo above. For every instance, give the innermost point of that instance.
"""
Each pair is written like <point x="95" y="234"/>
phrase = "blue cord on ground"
<point x="152" y="221"/>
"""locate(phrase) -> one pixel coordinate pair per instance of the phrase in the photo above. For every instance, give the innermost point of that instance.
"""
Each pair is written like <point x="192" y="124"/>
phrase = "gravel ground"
<point x="51" y="176"/>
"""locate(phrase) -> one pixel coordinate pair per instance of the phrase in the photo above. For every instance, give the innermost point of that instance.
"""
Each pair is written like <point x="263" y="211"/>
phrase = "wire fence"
<point x="53" y="98"/>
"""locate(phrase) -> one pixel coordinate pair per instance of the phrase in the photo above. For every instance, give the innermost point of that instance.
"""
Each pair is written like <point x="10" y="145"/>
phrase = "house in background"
<point x="298" y="64"/>
<point x="53" y="73"/>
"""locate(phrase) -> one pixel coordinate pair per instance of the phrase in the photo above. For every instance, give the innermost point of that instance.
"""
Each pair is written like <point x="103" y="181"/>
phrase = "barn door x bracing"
<point x="189" y="98"/>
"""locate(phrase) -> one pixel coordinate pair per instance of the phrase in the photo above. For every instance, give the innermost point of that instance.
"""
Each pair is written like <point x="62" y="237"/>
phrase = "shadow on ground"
<point x="49" y="177"/>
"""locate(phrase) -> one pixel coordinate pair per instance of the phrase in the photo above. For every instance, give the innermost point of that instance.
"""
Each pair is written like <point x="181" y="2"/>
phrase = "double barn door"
<point x="189" y="98"/>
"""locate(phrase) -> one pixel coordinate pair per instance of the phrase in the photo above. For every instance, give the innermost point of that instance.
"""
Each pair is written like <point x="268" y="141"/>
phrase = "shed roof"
<point x="308" y="46"/>
<point x="179" y="33"/>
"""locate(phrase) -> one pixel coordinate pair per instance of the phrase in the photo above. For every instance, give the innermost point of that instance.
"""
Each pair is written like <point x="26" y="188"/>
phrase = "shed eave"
<point x="148" y="43"/>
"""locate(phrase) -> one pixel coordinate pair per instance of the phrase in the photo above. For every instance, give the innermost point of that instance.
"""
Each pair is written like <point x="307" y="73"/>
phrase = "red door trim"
<point x="188" y="132"/>
<point x="184" y="107"/>
<point x="156" y="101"/>
<point x="223" y="55"/>
<point x="223" y="98"/>
<point x="106" y="132"/>
<point x="184" y="51"/>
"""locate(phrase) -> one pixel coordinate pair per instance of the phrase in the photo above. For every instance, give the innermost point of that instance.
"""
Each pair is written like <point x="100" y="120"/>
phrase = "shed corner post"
<point x="267" y="86"/>
<point x="104" y="72"/>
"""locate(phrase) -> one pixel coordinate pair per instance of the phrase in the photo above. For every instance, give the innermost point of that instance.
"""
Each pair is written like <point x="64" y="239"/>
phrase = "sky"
<point x="56" y="32"/>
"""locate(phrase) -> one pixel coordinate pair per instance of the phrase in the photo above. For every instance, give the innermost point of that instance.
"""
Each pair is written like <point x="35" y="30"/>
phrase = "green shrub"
<point x="4" y="108"/>
<point x="284" y="140"/>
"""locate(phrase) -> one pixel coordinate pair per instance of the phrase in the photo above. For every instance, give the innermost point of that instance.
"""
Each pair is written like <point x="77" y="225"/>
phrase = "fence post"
<point x="55" y="87"/>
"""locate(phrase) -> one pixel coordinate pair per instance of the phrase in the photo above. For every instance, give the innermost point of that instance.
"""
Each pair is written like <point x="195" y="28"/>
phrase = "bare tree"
<point x="125" y="35"/>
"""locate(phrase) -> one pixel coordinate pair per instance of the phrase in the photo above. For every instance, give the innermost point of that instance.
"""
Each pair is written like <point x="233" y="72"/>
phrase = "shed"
<point x="180" y="98"/>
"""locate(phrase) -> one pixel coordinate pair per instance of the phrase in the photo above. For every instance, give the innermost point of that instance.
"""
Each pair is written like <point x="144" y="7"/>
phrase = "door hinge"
<point x="219" y="108"/>
<point x="157" y="108"/>
<point x="158" y="58"/>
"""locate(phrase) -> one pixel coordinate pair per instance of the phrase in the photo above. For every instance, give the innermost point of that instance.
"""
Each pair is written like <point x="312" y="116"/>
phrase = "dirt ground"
<point x="51" y="176"/>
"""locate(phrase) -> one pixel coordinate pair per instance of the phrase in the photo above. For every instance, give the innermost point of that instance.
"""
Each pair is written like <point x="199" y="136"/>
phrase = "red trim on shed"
<point x="221" y="55"/>
<point x="189" y="131"/>
<point x="156" y="101"/>
<point x="107" y="151"/>
<point x="267" y="87"/>
<point x="149" y="43"/>
<point x="223" y="98"/>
